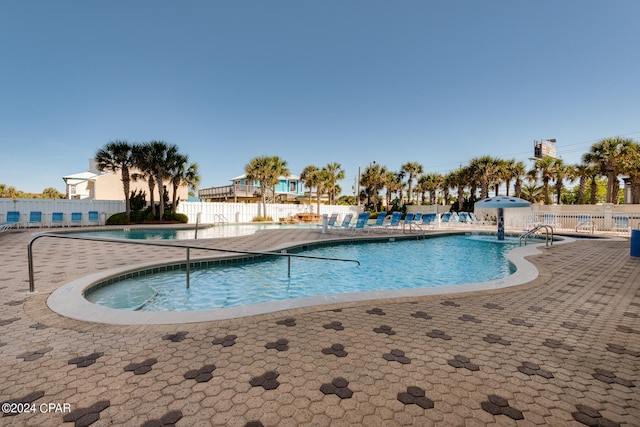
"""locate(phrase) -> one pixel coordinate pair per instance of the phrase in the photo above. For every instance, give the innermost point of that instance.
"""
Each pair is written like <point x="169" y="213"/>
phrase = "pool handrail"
<point x="155" y="243"/>
<point x="547" y="228"/>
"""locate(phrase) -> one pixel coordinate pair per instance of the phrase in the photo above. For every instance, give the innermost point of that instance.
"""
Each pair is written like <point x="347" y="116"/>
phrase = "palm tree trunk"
<point x="127" y="196"/>
<point x="174" y="198"/>
<point x="158" y="180"/>
<point x="611" y="178"/>
<point x="547" y="197"/>
<point x="582" y="190"/>
<point x="635" y="189"/>
<point x="263" y="192"/>
<point x="152" y="199"/>
<point x="318" y="199"/>
<point x="559" y="190"/>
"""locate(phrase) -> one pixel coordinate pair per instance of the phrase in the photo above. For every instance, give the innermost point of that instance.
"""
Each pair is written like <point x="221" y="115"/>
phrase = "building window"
<point x="293" y="186"/>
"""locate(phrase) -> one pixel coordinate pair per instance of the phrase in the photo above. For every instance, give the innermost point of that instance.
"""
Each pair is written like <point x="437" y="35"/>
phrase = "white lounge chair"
<point x="621" y="224"/>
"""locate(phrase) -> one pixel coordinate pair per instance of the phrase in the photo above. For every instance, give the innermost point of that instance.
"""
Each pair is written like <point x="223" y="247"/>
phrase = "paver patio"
<point x="561" y="350"/>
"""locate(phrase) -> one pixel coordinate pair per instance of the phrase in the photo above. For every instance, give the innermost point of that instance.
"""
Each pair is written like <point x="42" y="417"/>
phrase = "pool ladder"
<point x="548" y="230"/>
<point x="220" y="218"/>
<point x="188" y="248"/>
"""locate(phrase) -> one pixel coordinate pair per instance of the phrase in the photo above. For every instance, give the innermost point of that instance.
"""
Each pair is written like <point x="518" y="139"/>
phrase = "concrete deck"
<point x="561" y="350"/>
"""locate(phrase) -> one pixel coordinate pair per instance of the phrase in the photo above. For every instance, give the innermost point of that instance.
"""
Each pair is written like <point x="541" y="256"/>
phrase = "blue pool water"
<point x="218" y="231"/>
<point x="386" y="265"/>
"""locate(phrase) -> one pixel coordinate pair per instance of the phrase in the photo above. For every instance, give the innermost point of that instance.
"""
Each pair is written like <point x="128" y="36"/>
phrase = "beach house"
<point x="289" y="189"/>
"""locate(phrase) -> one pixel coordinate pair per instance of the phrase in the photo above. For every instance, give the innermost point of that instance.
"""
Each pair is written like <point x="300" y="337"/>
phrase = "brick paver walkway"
<point x="562" y="350"/>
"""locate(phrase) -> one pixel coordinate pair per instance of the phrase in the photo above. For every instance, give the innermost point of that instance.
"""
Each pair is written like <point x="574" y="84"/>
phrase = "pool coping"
<point x="69" y="301"/>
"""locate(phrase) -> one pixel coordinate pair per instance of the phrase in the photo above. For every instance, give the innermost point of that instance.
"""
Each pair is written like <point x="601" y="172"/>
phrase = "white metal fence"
<point x="105" y="209"/>
<point x="212" y="212"/>
<point x="604" y="218"/>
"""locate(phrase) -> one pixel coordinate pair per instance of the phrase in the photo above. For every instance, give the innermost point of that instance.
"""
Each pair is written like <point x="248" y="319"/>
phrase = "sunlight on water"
<point x="385" y="265"/>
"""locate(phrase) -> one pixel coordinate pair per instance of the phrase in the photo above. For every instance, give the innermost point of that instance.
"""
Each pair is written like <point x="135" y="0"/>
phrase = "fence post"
<point x="188" y="268"/>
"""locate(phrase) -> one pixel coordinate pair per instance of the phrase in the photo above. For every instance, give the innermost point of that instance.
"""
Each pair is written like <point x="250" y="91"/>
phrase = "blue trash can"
<point x="635" y="243"/>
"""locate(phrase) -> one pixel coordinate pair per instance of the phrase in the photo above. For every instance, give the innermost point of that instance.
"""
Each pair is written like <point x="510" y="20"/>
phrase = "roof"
<point x="82" y="176"/>
<point x="289" y="177"/>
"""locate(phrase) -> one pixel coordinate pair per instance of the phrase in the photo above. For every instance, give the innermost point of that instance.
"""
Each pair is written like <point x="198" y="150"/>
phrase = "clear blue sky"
<point x="437" y="82"/>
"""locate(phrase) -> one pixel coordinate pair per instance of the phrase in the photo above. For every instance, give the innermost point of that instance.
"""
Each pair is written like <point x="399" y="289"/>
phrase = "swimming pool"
<point x="385" y="265"/>
<point x="168" y="233"/>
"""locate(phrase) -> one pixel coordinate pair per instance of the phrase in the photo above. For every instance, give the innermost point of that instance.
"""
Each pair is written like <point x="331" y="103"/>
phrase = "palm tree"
<point x="459" y="176"/>
<point x="512" y="170"/>
<point x="182" y="172"/>
<point x="431" y="182"/>
<point x="609" y="154"/>
<point x="161" y="156"/>
<point x="51" y="193"/>
<point x="118" y="156"/>
<point x="311" y="179"/>
<point x="485" y="170"/>
<point x="561" y="172"/>
<point x="631" y="164"/>
<point x="373" y="180"/>
<point x="334" y="173"/>
<point x="393" y="184"/>
<point x="144" y="163"/>
<point x="544" y="169"/>
<point x="266" y="170"/>
<point x="518" y="172"/>
<point x="500" y="173"/>
<point x="412" y="169"/>
<point x="582" y="173"/>
<point x="532" y="192"/>
<point x="448" y="183"/>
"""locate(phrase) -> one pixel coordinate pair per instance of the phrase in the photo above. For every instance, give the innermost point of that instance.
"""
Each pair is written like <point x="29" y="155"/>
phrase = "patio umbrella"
<point x="500" y="203"/>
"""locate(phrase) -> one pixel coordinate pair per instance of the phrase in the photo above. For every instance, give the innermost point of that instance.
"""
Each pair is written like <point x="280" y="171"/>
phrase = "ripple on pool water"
<point x="384" y="265"/>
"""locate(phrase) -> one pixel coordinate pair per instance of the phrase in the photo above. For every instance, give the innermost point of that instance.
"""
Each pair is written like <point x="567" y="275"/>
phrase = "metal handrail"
<point x="586" y="223"/>
<point x="533" y="230"/>
<point x="221" y="218"/>
<point x="187" y="247"/>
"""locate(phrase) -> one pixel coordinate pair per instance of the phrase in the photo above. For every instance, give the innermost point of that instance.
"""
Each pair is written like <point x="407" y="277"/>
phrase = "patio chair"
<point x="35" y="218"/>
<point x="464" y="218"/>
<point x="474" y="220"/>
<point x="76" y="218"/>
<point x="57" y="218"/>
<point x="331" y="221"/>
<point x="550" y="219"/>
<point x="12" y="220"/>
<point x="394" y="222"/>
<point x="93" y="217"/>
<point x="621" y="224"/>
<point x="585" y="224"/>
<point x="408" y="220"/>
<point x="361" y="222"/>
<point x="345" y="222"/>
<point x="429" y="220"/>
<point x="446" y="219"/>
<point x="379" y="221"/>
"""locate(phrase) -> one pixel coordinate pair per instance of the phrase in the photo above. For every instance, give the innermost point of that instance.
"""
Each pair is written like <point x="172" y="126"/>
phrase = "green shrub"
<point x="262" y="218"/>
<point x="175" y="216"/>
<point x="139" y="217"/>
<point x="118" y="219"/>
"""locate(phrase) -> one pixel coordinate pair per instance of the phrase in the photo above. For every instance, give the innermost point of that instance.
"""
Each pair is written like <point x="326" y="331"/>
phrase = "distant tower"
<point x="544" y="148"/>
